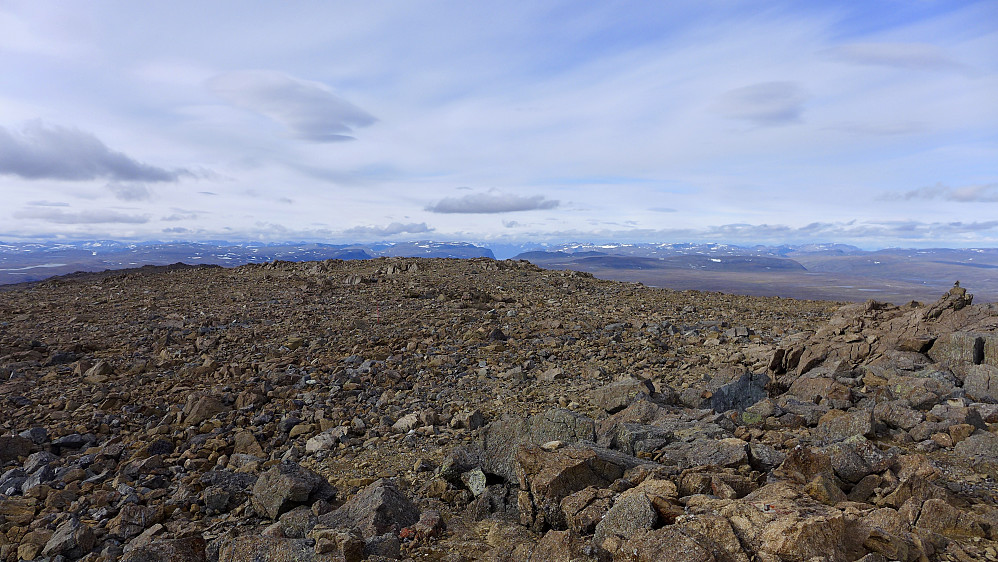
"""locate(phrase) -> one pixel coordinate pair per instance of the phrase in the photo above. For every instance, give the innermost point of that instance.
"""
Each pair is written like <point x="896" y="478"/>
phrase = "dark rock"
<point x="257" y="547"/>
<point x="387" y="545"/>
<point x="38" y="435"/>
<point x="740" y="394"/>
<point x="13" y="447"/>
<point x="73" y="441"/>
<point x="185" y="549"/>
<point x="764" y="457"/>
<point x="38" y="460"/>
<point x="847" y="463"/>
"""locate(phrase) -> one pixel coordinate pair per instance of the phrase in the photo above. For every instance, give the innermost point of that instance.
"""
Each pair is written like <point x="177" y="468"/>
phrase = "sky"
<point x="758" y="122"/>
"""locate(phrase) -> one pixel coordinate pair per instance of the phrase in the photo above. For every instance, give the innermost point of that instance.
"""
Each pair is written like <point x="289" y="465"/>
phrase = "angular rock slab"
<point x="288" y="485"/>
<point x="377" y="509"/>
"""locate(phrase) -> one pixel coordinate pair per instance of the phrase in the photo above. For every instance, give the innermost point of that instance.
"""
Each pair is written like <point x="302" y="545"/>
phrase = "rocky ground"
<point x="480" y="409"/>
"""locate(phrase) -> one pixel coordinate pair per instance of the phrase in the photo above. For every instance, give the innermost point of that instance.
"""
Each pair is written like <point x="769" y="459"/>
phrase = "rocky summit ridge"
<point x="442" y="409"/>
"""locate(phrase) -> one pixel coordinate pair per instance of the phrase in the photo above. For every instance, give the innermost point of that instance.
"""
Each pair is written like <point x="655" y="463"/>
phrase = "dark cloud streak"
<point x="42" y="151"/>
<point x="95" y="216"/>
<point x="492" y="202"/>
<point x="390" y="230"/>
<point x="130" y="191"/>
<point x="984" y="193"/>
<point x="766" y="104"/>
<point x="907" y="56"/>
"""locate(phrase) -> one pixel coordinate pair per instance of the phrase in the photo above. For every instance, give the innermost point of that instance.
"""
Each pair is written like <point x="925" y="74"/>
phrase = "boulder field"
<point x="453" y="410"/>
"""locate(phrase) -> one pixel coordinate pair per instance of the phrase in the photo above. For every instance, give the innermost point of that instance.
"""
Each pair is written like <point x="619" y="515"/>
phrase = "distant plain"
<point x="819" y="272"/>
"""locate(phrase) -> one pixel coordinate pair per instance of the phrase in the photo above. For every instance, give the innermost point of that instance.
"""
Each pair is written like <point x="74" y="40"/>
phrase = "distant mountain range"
<point x="21" y="262"/>
<point x="817" y="271"/>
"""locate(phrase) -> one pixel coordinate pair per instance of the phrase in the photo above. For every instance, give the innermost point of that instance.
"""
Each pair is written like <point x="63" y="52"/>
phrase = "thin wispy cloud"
<point x="90" y="216"/>
<point x="880" y="129"/>
<point x="41" y="151"/>
<point x="309" y="110"/>
<point x="181" y="215"/>
<point x="389" y="230"/>
<point x="492" y="201"/>
<point x="47" y="204"/>
<point x="908" y="56"/>
<point x="130" y="191"/>
<point x="985" y="193"/>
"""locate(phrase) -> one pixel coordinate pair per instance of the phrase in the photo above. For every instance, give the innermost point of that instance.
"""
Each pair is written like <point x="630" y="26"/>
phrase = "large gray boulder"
<point x="501" y="438"/>
<point x="258" y="547"/>
<point x="14" y="446"/>
<point x="72" y="539"/>
<point x="631" y="513"/>
<point x="377" y="509"/>
<point x="727" y="452"/>
<point x="185" y="549"/>
<point x="981" y="383"/>
<point x="837" y="425"/>
<point x="740" y="394"/>
<point x="619" y="394"/>
<point x="547" y="477"/>
<point x="286" y="486"/>
<point x="958" y="347"/>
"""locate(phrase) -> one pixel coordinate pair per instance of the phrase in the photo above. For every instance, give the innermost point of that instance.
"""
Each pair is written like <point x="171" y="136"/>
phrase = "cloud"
<point x="42" y="151"/>
<point x="130" y="191"/>
<point x="97" y="216"/>
<point x="47" y="204"/>
<point x="390" y="230"/>
<point x="880" y="129"/>
<point x="985" y="193"/>
<point x="767" y="103"/>
<point x="492" y="202"/>
<point x="310" y="110"/>
<point x="663" y="209"/>
<point x="181" y="215"/>
<point x="909" y="56"/>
